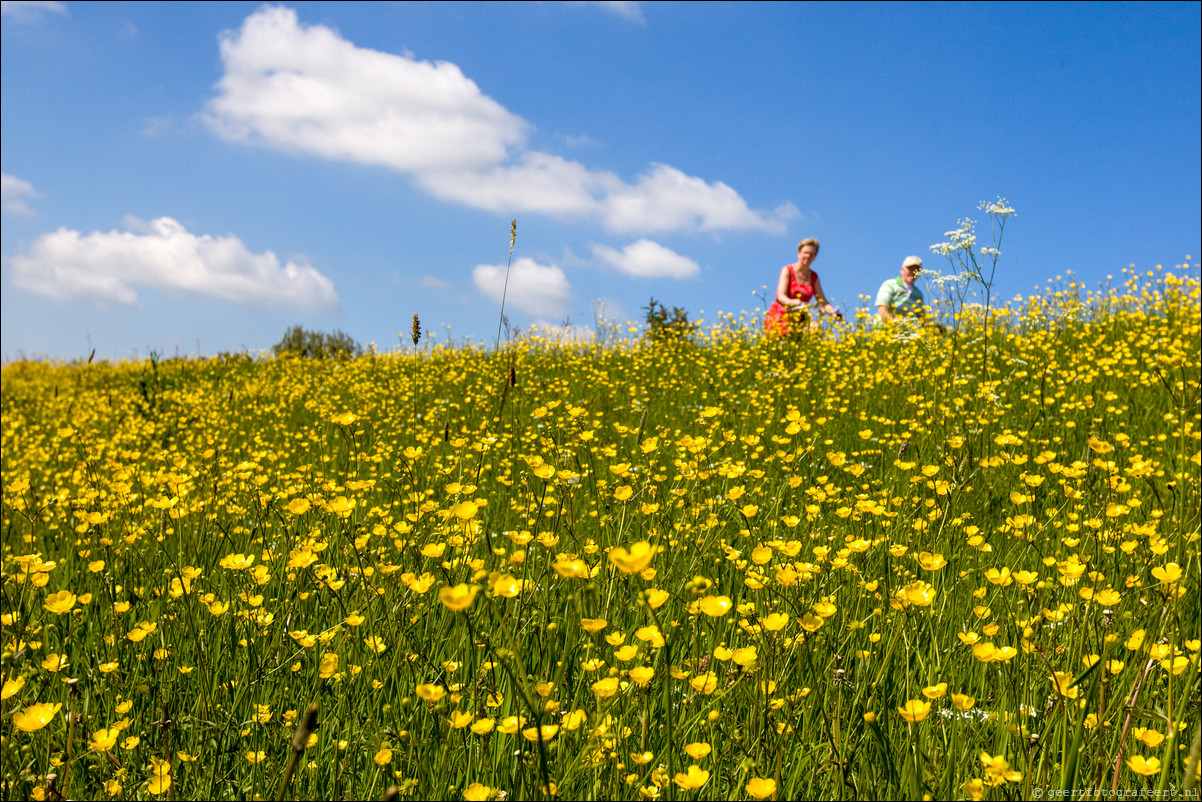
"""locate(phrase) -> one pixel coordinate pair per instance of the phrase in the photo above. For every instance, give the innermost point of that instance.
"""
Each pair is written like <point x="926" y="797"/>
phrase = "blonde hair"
<point x="808" y="241"/>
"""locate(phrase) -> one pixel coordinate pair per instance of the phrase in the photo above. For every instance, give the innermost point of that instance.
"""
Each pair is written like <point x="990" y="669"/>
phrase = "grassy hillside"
<point x="862" y="564"/>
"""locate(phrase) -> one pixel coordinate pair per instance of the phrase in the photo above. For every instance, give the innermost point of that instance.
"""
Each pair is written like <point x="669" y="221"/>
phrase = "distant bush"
<point x="297" y="341"/>
<point x="663" y="324"/>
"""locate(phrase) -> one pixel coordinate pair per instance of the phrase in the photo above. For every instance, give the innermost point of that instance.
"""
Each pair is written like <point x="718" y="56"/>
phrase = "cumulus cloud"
<point x="162" y="254"/>
<point x="13" y="192"/>
<point x="29" y="10"/>
<point x="541" y="290"/>
<point x="661" y="199"/>
<point x="308" y="90"/>
<point x="647" y="259"/>
<point x="305" y="89"/>
<point x="665" y="199"/>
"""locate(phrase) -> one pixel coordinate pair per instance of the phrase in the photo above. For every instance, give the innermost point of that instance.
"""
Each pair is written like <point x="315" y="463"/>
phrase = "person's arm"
<point x="884" y="302"/>
<point x="820" y="297"/>
<point x="782" y="289"/>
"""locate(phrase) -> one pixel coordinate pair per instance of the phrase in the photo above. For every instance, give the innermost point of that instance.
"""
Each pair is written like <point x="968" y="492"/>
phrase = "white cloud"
<point x="163" y="255"/>
<point x="580" y="141"/>
<point x="29" y="10"/>
<point x="13" y="192"/>
<point x="305" y="89"/>
<point x="626" y="9"/>
<point x="540" y="182"/>
<point x="155" y="126"/>
<point x="661" y="199"/>
<point x="541" y="290"/>
<point x="665" y="199"/>
<point x="647" y="259"/>
<point x="428" y="282"/>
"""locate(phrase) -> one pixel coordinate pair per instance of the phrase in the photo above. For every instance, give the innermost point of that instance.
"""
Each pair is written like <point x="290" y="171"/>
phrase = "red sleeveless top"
<point x="777" y="319"/>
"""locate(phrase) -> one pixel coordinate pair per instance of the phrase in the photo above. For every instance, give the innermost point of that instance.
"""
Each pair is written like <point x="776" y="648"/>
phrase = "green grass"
<point x="876" y="496"/>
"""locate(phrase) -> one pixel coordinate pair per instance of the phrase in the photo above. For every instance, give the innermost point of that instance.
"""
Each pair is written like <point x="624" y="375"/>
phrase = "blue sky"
<point x="196" y="177"/>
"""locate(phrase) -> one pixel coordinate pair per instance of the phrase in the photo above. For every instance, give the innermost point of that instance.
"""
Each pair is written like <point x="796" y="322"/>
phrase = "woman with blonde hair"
<point x="796" y="288"/>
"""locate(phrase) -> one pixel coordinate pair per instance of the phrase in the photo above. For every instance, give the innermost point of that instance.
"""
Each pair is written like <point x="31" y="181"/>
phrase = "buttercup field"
<point x="631" y="432"/>
<point x="859" y="564"/>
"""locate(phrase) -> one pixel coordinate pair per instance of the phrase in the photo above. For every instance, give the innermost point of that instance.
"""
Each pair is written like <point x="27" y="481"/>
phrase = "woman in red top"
<point x="797" y="286"/>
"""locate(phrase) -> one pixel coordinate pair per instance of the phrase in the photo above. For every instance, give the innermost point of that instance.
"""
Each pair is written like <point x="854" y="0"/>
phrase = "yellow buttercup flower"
<point x="237" y="562"/>
<point x="431" y="693"/>
<point x="914" y="711"/>
<point x="465" y="510"/>
<point x="746" y="656"/>
<point x="761" y="787"/>
<point x="104" y="740"/>
<point x="1063" y="681"/>
<point x="61" y="602"/>
<point x="546" y="731"/>
<point x="811" y="623"/>
<point x="35" y="717"/>
<point x="508" y="586"/>
<point x="574" y="720"/>
<point x="458" y="598"/>
<point x="55" y="662"/>
<point x="571" y="568"/>
<point x="160" y="782"/>
<point x="627" y="652"/>
<point x="477" y="792"/>
<point x="774" y="622"/>
<point x="635" y="560"/>
<point x="655" y="597"/>
<point x="692" y="779"/>
<point x="11" y="687"/>
<point x="1168" y="574"/>
<point x="511" y="724"/>
<point x="298" y="506"/>
<point x="642" y="674"/>
<point x="997" y="770"/>
<point x="715" y="606"/>
<point x="931" y="562"/>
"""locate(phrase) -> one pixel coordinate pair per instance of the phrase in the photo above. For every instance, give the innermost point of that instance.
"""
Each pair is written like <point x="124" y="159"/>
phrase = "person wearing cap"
<point x="900" y="296"/>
